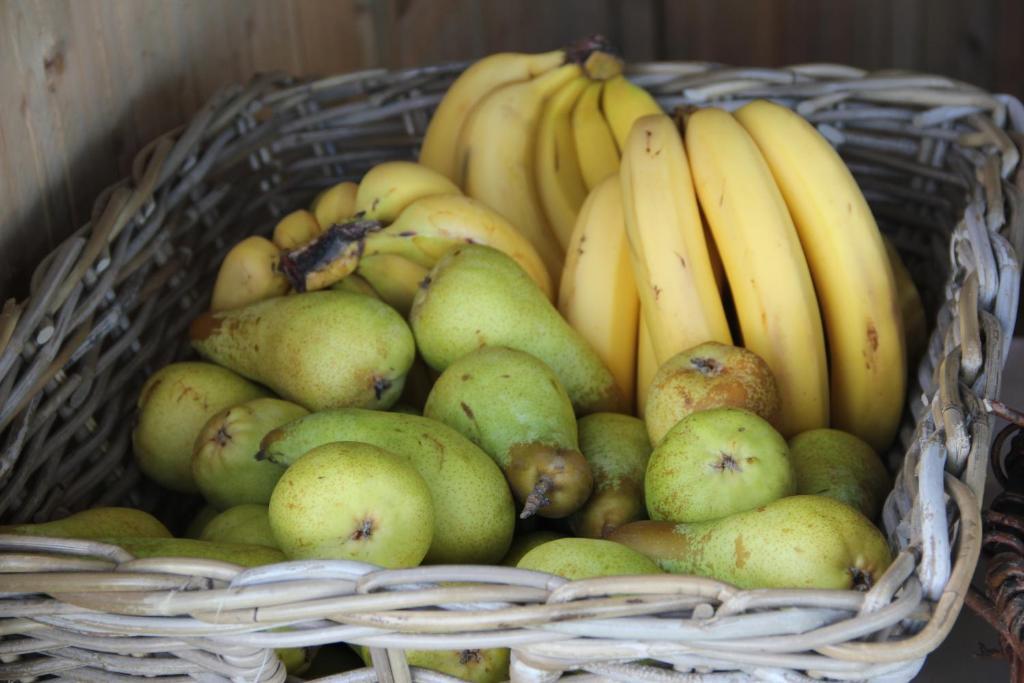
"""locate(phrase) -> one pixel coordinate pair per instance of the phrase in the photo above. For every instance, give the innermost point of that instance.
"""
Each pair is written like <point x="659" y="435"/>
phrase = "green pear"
<point x="829" y="462"/>
<point x="477" y="296"/>
<point x="224" y="463"/>
<point x="617" y="448"/>
<point x="249" y="524"/>
<point x="296" y="660"/>
<point x="795" y="542"/>
<point x="174" y="404"/>
<point x="326" y="349"/>
<point x="513" y="406"/>
<point x="199" y="522"/>
<point x="474" y="515"/>
<point x="235" y="553"/>
<point x="353" y="501"/>
<point x="95" y="523"/>
<point x="474" y="665"/>
<point x="716" y="463"/>
<point x="356" y="284"/>
<point x="584" y="558"/>
<point x="524" y="543"/>
<point x="709" y="375"/>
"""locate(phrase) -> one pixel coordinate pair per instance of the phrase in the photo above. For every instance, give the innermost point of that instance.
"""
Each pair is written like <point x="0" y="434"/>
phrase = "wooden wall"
<point x="85" y="83"/>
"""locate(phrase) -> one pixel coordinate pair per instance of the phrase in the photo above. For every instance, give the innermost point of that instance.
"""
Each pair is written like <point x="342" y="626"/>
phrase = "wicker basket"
<point x="937" y="160"/>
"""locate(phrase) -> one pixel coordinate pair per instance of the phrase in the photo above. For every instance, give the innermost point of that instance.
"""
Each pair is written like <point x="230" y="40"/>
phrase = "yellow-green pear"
<point x="513" y="406"/>
<point x="477" y="296"/>
<point x="326" y="349"/>
<point x="353" y="501"/>
<point x="584" y="558"/>
<point x="617" y="448"/>
<point x="248" y="524"/>
<point x="795" y="542"/>
<point x="830" y="462"/>
<point x="224" y="463"/>
<point x="174" y="404"/>
<point x="474" y="665"/>
<point x="198" y="523"/>
<point x="235" y="553"/>
<point x="715" y="463"/>
<point x="474" y="514"/>
<point x="526" y="542"/>
<point x="95" y="523"/>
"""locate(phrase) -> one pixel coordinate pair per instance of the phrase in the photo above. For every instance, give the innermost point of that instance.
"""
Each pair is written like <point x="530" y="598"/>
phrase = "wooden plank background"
<point x="85" y="83"/>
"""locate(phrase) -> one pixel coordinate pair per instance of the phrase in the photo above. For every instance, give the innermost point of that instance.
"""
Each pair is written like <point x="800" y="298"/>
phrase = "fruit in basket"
<point x="849" y="267"/>
<point x="679" y="298"/>
<point x="595" y="143"/>
<point x="235" y="553"/>
<point x="622" y="103"/>
<point x="526" y="542"/>
<point x="646" y="366"/>
<point x="474" y="664"/>
<point x="556" y="167"/>
<point x="353" y="501"/>
<point x="716" y="463"/>
<point x="768" y="276"/>
<point x="388" y="188"/>
<point x="430" y="227"/>
<point x="321" y="350"/>
<point x="356" y="284"/>
<point x="794" y="542"/>
<point x="478" y="296"/>
<point x="201" y="519"/>
<point x="915" y="323"/>
<point x="174" y="404"/>
<point x="249" y="524"/>
<point x="296" y="660"/>
<point x="584" y="558"/>
<point x="224" y="463"/>
<point x="335" y="205"/>
<point x="598" y="294"/>
<point x="513" y="406"/>
<point x="617" y="448"/>
<point x="832" y="463"/>
<point x="709" y="375"/>
<point x="329" y="257"/>
<point x="474" y="515"/>
<point x="394" y="278"/>
<point x="95" y="523"/>
<point x="296" y="229"/>
<point x="250" y="272"/>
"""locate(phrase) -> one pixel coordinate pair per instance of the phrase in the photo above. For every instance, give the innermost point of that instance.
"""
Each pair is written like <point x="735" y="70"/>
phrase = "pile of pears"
<point x="478" y="427"/>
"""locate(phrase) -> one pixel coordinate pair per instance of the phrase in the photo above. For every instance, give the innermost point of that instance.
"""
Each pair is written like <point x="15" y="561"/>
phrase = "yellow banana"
<point x="438" y="150"/>
<point x="431" y="226"/>
<point x="646" y="366"/>
<point x="357" y="284"/>
<point x="764" y="264"/>
<point x="678" y="294"/>
<point x="496" y="150"/>
<point x="850" y="269"/>
<point x="388" y="188"/>
<point x="623" y="102"/>
<point x="296" y="229"/>
<point x="559" y="181"/>
<point x="595" y="145"/>
<point x="915" y="325"/>
<point x="394" y="278"/>
<point x="598" y="295"/>
<point x="335" y="204"/>
<point x="248" y="273"/>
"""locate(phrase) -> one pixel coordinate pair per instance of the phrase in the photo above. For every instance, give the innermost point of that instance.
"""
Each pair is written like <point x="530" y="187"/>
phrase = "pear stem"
<point x="538" y="498"/>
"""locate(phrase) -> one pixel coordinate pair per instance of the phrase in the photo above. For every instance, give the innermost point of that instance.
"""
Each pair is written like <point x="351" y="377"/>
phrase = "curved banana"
<point x="335" y="205"/>
<point x="395" y="279"/>
<point x="623" y="102"/>
<point x="915" y="324"/>
<point x="438" y="150"/>
<point x="678" y="294"/>
<point x="248" y="273"/>
<point x="598" y="295"/>
<point x="764" y="263"/>
<point x="431" y="226"/>
<point x="559" y="181"/>
<point x="388" y="188"/>
<point x="646" y="366"/>
<point x="850" y="269"/>
<point x="596" y="149"/>
<point x="296" y="229"/>
<point x="496" y="150"/>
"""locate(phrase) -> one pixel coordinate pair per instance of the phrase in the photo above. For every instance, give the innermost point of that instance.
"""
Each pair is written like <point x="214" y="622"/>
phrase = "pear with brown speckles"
<point x="795" y="542"/>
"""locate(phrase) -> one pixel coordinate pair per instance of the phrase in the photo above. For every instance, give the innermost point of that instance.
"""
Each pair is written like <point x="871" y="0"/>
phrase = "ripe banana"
<point x="764" y="264"/>
<point x="623" y="102"/>
<point x="915" y="325"/>
<point x="674" y="278"/>
<point x="850" y="269"/>
<point x="394" y="278"/>
<point x="388" y="188"/>
<point x="559" y="180"/>
<point x="496" y="150"/>
<point x="595" y="145"/>
<point x="248" y="273"/>
<point x="335" y="204"/>
<point x="646" y="366"/>
<point x="296" y="229"/>
<point x="598" y="295"/>
<point x="438" y="150"/>
<point x="430" y="226"/>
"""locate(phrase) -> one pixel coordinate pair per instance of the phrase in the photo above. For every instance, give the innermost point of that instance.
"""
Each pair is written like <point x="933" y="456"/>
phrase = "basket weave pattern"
<point x="938" y="162"/>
